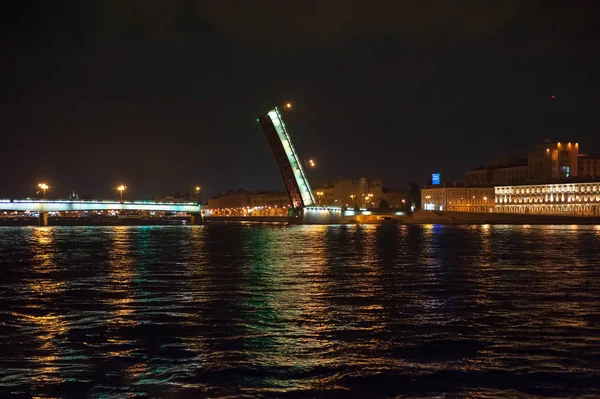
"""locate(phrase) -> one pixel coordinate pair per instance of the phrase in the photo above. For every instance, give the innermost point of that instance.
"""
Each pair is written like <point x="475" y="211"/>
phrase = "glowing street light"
<point x="121" y="188"/>
<point x="352" y="197"/>
<point x="198" y="188"/>
<point x="320" y="195"/>
<point x="311" y="163"/>
<point x="369" y="199"/>
<point x="288" y="105"/>
<point x="43" y="187"/>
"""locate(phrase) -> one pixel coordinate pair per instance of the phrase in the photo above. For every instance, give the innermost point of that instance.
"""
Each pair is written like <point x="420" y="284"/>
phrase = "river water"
<point x="301" y="311"/>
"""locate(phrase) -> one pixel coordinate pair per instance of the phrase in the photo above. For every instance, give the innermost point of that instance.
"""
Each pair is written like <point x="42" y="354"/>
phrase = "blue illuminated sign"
<point x="435" y="178"/>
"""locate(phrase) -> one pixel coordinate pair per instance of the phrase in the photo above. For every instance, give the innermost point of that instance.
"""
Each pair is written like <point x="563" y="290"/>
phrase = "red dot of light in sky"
<point x="552" y="96"/>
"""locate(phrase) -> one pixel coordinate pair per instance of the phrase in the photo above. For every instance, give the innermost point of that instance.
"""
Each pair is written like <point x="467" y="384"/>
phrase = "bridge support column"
<point x="195" y="218"/>
<point x="43" y="219"/>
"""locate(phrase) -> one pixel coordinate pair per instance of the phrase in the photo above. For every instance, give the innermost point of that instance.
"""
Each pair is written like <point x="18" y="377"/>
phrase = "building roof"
<point x="590" y="156"/>
<point x="458" y="185"/>
<point x="509" y="164"/>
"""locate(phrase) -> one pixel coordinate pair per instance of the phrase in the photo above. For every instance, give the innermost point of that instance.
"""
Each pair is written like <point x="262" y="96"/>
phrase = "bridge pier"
<point x="43" y="219"/>
<point x="195" y="219"/>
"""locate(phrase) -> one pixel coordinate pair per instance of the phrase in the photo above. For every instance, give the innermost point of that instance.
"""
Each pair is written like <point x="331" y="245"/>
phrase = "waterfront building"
<point x="546" y="162"/>
<point x="589" y="166"/>
<point x="268" y="199"/>
<point x="364" y="192"/>
<point x="459" y="198"/>
<point x="230" y="199"/>
<point x="568" y="198"/>
<point x="553" y="161"/>
<point x="512" y="172"/>
<point x="248" y="203"/>
<point x="396" y="199"/>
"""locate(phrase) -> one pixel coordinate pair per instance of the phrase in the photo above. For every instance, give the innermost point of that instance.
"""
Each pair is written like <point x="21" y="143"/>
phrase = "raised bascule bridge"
<point x="304" y="209"/>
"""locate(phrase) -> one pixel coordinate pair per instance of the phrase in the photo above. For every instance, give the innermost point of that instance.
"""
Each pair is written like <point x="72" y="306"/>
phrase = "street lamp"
<point x="370" y="199"/>
<point x="121" y="188"/>
<point x="311" y="163"/>
<point x="320" y="195"/>
<point x="43" y="187"/>
<point x="198" y="193"/>
<point x="403" y="205"/>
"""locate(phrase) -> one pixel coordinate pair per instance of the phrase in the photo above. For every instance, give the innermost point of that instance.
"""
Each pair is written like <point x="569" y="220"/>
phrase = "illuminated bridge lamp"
<point x="121" y="188"/>
<point x="43" y="187"/>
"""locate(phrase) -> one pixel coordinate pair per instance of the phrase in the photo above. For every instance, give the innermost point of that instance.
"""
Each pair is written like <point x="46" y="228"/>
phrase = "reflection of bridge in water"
<point x="44" y="206"/>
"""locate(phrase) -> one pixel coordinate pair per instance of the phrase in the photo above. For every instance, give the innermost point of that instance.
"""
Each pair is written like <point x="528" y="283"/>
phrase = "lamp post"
<point x="121" y="188"/>
<point x="320" y="197"/>
<point x="43" y="187"/>
<point x="198" y="188"/>
<point x="403" y="205"/>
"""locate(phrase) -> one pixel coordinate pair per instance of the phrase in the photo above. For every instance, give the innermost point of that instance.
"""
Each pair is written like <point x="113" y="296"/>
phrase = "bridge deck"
<point x="79" y="205"/>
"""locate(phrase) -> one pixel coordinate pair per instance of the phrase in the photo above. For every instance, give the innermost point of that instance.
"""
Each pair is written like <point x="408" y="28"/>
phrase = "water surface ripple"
<point x="317" y="311"/>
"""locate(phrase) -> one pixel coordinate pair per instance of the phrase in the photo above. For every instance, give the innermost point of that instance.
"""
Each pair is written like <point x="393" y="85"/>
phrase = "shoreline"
<point x="415" y="218"/>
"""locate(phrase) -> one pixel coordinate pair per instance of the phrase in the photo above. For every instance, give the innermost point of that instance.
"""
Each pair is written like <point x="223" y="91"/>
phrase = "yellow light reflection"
<point x="51" y="326"/>
<point x="120" y="278"/>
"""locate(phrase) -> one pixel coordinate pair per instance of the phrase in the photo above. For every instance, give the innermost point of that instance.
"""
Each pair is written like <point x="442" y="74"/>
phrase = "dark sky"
<point x="162" y="95"/>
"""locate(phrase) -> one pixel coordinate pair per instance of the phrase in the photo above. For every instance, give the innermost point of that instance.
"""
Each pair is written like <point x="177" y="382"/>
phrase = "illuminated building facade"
<point x="553" y="161"/>
<point x="247" y="203"/>
<point x="582" y="199"/>
<point x="231" y="199"/>
<point x="547" y="162"/>
<point x="458" y="198"/>
<point x="364" y="192"/>
<point x="589" y="166"/>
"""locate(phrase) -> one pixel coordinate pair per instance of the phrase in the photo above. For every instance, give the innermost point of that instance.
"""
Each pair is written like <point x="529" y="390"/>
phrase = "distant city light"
<point x="311" y="163"/>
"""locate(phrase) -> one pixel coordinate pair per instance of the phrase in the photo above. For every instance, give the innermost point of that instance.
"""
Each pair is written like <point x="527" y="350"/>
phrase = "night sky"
<point x="163" y="95"/>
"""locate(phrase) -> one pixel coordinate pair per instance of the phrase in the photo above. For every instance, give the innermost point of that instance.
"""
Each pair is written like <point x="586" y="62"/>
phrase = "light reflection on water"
<point x="301" y="310"/>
